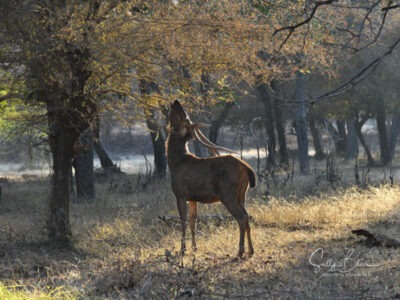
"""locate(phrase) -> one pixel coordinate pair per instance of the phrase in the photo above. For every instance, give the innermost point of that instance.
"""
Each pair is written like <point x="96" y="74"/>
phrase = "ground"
<point x="125" y="244"/>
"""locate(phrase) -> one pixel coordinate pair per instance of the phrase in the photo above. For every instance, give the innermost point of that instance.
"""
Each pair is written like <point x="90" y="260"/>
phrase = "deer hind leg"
<point x="183" y="216"/>
<point x="249" y="243"/>
<point x="193" y="216"/>
<point x="241" y="217"/>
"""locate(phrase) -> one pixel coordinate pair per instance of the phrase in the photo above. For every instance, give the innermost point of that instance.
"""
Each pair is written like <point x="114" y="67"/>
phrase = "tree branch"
<point x="292" y="28"/>
<point x="360" y="76"/>
<point x="390" y="7"/>
<point x="9" y="96"/>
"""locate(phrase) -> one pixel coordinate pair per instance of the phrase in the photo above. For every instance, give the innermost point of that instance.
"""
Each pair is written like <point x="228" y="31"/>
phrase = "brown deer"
<point x="206" y="180"/>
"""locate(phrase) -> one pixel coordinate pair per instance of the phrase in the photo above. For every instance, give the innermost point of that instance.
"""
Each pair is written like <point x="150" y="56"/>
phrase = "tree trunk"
<point x="358" y="127"/>
<point x="316" y="135"/>
<point x="280" y="130"/>
<point x="341" y="144"/>
<point x="105" y="160"/>
<point x="61" y="142"/>
<point x="352" y="141"/>
<point x="158" y="141"/>
<point x="301" y="125"/>
<point x="269" y="123"/>
<point x="394" y="133"/>
<point x="382" y="132"/>
<point x="83" y="165"/>
<point x="156" y="134"/>
<point x="217" y="123"/>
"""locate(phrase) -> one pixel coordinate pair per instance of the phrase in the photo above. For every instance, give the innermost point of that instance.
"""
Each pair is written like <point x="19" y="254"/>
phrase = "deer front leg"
<point x="193" y="216"/>
<point x="183" y="216"/>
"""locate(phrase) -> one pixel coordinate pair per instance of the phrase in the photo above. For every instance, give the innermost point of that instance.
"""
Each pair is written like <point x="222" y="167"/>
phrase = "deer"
<point x="218" y="178"/>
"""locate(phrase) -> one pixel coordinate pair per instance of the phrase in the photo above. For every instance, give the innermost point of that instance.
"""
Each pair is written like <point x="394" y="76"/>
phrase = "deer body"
<point x="206" y="180"/>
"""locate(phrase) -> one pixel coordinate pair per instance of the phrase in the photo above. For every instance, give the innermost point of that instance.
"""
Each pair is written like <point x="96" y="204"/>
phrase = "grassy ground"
<point x="304" y="247"/>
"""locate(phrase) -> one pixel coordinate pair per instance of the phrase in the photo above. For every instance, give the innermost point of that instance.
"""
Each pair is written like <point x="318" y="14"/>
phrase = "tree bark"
<point x="83" y="165"/>
<point x="61" y="142"/>
<point x="316" y="135"/>
<point x="301" y="125"/>
<point x="352" y="141"/>
<point x="382" y="132"/>
<point x="280" y="130"/>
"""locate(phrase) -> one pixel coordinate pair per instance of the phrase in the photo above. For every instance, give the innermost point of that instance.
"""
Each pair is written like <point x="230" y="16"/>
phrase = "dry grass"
<point x="122" y="250"/>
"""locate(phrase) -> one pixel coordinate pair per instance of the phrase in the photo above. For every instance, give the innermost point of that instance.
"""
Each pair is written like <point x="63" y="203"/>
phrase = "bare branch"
<point x="389" y="7"/>
<point x="292" y="28"/>
<point x="360" y="76"/>
<point x="379" y="30"/>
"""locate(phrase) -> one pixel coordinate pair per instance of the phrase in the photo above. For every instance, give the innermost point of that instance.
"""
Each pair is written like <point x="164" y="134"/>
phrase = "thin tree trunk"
<point x="156" y="134"/>
<point x="319" y="152"/>
<point x="83" y="165"/>
<point x="382" y="132"/>
<point x="341" y="144"/>
<point x="269" y="124"/>
<point x="158" y="141"/>
<point x="352" y="141"/>
<point x="217" y="123"/>
<point x="301" y="125"/>
<point x="105" y="160"/>
<point x="394" y="133"/>
<point x="280" y="130"/>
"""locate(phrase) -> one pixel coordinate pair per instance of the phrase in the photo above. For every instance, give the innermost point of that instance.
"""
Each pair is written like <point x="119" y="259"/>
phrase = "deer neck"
<point x="177" y="150"/>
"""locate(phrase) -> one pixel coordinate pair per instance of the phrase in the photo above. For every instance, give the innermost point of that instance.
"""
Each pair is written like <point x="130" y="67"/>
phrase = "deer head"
<point x="182" y="125"/>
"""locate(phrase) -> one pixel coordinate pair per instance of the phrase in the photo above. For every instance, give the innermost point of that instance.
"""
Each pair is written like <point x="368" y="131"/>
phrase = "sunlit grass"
<point x="20" y="292"/>
<point x="346" y="208"/>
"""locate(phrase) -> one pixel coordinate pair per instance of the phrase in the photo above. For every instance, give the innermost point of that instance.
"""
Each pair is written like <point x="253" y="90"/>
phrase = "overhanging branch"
<point x="292" y="28"/>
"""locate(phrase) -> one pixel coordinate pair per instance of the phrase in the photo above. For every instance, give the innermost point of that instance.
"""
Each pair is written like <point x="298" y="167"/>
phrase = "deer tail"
<point x="252" y="176"/>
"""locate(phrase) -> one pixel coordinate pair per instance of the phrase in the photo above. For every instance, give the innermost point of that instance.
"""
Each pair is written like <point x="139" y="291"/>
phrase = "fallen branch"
<point x="375" y="239"/>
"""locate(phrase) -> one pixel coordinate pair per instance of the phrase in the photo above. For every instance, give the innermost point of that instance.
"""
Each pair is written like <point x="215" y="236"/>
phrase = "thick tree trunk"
<point x="394" y="133"/>
<point x="269" y="124"/>
<point x="358" y="127"/>
<point x="301" y="125"/>
<point x="352" y="141"/>
<point x="83" y="165"/>
<point x="61" y="141"/>
<point x="382" y="132"/>
<point x="217" y="123"/>
<point x="341" y="144"/>
<point x="316" y="135"/>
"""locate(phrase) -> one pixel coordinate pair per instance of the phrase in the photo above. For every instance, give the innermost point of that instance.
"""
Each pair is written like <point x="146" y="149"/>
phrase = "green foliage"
<point x="20" y="119"/>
